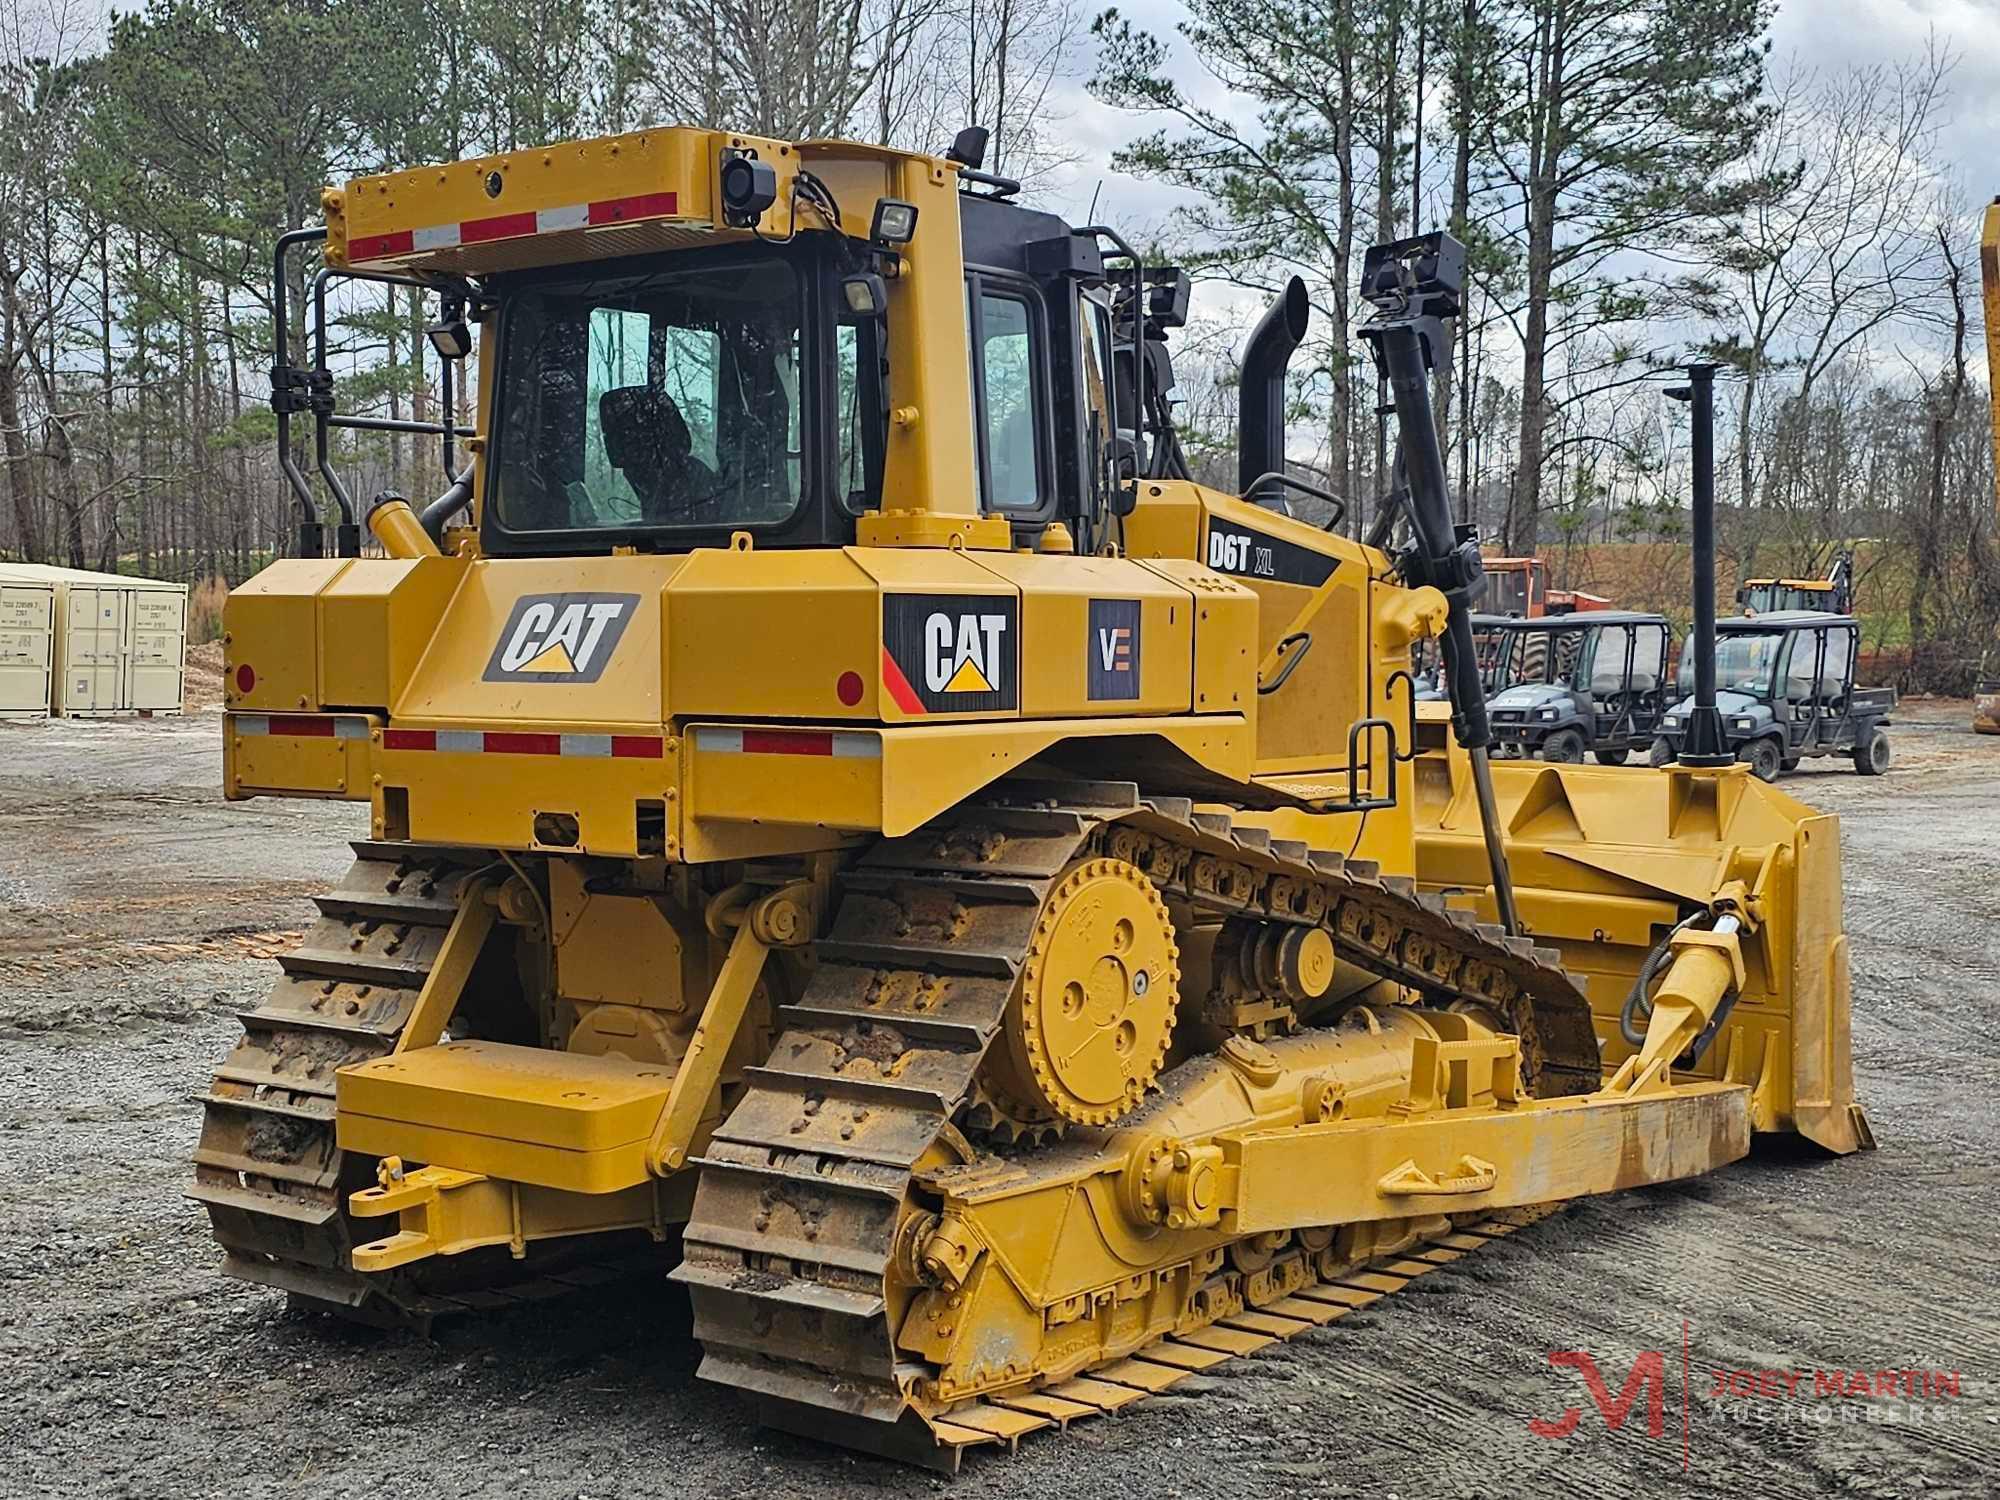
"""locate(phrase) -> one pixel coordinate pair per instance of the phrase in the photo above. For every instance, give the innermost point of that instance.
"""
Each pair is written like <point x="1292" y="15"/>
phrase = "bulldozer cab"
<point x="666" y="371"/>
<point x="669" y="403"/>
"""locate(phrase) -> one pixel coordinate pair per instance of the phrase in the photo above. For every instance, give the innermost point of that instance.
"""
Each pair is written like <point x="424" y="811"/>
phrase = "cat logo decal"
<point x="951" y="653"/>
<point x="560" y="637"/>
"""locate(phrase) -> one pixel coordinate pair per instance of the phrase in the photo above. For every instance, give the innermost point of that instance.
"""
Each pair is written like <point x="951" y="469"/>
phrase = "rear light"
<point x="246" y="678"/>
<point x="850" y="688"/>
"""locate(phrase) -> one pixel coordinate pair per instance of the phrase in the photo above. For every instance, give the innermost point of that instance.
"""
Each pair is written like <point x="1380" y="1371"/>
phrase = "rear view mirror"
<point x="1124" y="499"/>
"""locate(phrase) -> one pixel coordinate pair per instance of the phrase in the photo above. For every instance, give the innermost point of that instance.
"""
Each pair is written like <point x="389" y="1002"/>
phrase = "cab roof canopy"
<point x="1583" y="620"/>
<point x="1781" y="619"/>
<point x="635" y="194"/>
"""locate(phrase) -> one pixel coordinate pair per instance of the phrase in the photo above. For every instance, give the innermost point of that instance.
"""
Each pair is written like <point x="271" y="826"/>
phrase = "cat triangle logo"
<point x="560" y="638"/>
<point x="968" y="679"/>
<point x="555" y="659"/>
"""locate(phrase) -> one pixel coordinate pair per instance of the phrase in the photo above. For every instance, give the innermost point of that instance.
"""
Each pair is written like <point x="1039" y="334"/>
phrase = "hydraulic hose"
<point x="1638" y="1007"/>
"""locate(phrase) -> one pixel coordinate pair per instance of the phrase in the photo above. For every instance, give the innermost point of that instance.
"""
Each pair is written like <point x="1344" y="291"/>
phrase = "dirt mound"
<point x="204" y="676"/>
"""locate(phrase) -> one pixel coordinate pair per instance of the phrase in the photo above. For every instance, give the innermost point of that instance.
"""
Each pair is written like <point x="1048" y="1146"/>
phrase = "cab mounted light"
<point x="451" y="338"/>
<point x="895" y="222"/>
<point x="749" y="186"/>
<point x="866" y="294"/>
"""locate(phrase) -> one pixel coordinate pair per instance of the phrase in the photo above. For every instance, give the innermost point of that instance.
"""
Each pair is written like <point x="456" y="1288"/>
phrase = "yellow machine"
<point x="987" y="902"/>
<point x="1833" y="594"/>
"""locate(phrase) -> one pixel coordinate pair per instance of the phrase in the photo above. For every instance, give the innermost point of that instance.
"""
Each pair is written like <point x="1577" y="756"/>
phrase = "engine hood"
<point x="1727" y="703"/>
<point x="1533" y="695"/>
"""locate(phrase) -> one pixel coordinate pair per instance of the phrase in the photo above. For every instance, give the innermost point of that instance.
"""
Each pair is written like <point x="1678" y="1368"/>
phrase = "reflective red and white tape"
<point x="515" y="742"/>
<point x="838" y="744"/>
<point x="304" y="726"/>
<point x="609" y="211"/>
<point x="789" y="742"/>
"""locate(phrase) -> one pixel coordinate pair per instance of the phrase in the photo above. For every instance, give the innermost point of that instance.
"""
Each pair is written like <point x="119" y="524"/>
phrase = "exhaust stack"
<point x="1260" y="420"/>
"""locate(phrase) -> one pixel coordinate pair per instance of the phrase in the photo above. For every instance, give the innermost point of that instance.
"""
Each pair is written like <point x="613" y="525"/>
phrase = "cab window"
<point x="860" y="415"/>
<point x="650" y="402"/>
<point x="1008" y="391"/>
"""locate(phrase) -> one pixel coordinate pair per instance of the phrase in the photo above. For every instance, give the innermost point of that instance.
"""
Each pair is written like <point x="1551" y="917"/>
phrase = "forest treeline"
<point x="1639" y="182"/>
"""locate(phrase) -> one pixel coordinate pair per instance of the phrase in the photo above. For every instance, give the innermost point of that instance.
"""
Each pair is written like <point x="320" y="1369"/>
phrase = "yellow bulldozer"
<point x="852" y="820"/>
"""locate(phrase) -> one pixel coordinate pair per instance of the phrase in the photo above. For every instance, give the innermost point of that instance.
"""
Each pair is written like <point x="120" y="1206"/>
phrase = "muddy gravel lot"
<point x="138" y="913"/>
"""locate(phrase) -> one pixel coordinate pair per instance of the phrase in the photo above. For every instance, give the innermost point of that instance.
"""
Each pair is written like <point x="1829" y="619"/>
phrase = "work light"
<point x="895" y="222"/>
<point x="866" y="293"/>
<point x="749" y="187"/>
<point x="451" y="338"/>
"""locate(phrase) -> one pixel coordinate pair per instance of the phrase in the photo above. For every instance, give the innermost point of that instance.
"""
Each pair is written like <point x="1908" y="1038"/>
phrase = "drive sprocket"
<point x="1092" y="1014"/>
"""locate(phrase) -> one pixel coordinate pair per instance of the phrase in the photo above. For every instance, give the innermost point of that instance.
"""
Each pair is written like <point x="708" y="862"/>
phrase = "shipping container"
<point x="120" y="644"/>
<point x="27" y="647"/>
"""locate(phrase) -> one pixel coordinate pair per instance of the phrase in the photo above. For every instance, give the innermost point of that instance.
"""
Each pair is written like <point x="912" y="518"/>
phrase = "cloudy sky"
<point x="1821" y="34"/>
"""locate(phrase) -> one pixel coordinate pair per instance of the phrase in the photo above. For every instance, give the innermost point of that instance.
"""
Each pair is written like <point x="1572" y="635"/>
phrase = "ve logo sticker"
<point x="560" y="637"/>
<point x="1114" y="650"/>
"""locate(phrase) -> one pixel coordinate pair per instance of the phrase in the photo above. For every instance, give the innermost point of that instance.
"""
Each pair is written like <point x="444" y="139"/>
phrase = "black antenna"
<point x="1703" y="745"/>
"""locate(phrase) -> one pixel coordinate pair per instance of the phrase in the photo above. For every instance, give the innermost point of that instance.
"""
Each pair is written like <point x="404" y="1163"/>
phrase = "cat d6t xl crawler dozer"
<point x="981" y="901"/>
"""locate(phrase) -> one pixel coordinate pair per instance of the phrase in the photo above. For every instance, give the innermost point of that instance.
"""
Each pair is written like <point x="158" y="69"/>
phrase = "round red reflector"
<point x="850" y="688"/>
<point x="246" y="678"/>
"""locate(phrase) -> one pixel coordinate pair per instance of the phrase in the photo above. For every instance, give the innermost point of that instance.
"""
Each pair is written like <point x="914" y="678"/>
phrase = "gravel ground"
<point x="138" y="912"/>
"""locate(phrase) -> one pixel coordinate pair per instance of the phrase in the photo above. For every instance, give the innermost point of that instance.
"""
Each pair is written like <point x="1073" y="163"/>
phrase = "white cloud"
<point x="1831" y="35"/>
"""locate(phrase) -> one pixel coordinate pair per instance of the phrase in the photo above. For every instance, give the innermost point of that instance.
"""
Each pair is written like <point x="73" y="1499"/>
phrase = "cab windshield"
<point x="1744" y="663"/>
<point x="1507" y="592"/>
<point x="1541" y="656"/>
<point x="667" y="400"/>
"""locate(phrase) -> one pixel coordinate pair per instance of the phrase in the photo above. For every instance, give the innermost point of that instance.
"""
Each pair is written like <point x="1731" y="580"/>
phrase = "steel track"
<point x="805" y="1186"/>
<point x="268" y="1169"/>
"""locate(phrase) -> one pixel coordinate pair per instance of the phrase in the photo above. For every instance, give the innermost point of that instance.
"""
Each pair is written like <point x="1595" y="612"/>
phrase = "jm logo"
<point x="964" y="653"/>
<point x="560" y="637"/>
<point x="1648" y="1378"/>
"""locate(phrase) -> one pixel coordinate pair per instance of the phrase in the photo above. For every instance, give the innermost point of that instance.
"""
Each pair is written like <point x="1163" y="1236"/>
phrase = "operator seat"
<point x="647" y="439"/>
